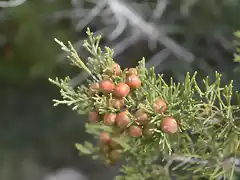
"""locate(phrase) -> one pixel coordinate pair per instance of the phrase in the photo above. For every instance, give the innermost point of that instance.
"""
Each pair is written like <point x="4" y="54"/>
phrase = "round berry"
<point x="94" y="87"/>
<point x="133" y="81"/>
<point x="93" y="116"/>
<point x="105" y="137"/>
<point x="117" y="103"/>
<point x="142" y="117"/>
<point x="132" y="71"/>
<point x="106" y="86"/>
<point x="109" y="119"/>
<point x="160" y="105"/>
<point x="114" y="69"/>
<point x="135" y="131"/>
<point x="122" y="119"/>
<point x="121" y="90"/>
<point x="169" y="125"/>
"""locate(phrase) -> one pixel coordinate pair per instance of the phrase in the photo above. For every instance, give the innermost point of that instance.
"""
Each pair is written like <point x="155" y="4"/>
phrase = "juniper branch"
<point x="205" y="111"/>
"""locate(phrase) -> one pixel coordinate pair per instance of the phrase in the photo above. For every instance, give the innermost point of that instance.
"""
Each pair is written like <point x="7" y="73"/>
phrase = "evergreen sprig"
<point x="207" y="116"/>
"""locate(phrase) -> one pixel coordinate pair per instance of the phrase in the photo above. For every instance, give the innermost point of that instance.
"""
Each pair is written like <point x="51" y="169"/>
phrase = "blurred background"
<point x="37" y="139"/>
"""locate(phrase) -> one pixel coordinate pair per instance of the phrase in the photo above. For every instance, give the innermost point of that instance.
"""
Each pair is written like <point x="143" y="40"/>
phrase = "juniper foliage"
<point x="208" y="138"/>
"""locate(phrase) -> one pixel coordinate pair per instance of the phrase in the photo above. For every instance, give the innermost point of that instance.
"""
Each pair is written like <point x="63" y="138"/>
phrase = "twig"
<point x="160" y="8"/>
<point x="158" y="58"/>
<point x="78" y="45"/>
<point x="91" y="15"/>
<point x="124" y="44"/>
<point x="121" y="26"/>
<point x="189" y="160"/>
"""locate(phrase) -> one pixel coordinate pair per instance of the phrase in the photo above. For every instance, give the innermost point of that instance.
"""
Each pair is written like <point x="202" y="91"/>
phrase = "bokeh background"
<point x="37" y="139"/>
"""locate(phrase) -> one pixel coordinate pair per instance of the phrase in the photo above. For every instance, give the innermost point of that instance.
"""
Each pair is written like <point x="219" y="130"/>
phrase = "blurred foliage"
<point x="237" y="54"/>
<point x="27" y="48"/>
<point x="29" y="125"/>
<point x="31" y="128"/>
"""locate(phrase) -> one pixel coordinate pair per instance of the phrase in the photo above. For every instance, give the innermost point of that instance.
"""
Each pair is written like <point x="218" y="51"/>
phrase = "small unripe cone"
<point x="142" y="117"/>
<point x="105" y="137"/>
<point x="109" y="119"/>
<point x="114" y="69"/>
<point x="121" y="90"/>
<point x="135" y="131"/>
<point x="133" y="81"/>
<point x="106" y="86"/>
<point x="93" y="117"/>
<point x="169" y="125"/>
<point x="117" y="103"/>
<point x="115" y="155"/>
<point x="122" y="119"/>
<point x="132" y="71"/>
<point x="160" y="105"/>
<point x="94" y="87"/>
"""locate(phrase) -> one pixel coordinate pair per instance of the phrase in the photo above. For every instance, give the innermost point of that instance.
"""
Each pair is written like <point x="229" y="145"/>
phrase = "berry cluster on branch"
<point x="137" y="117"/>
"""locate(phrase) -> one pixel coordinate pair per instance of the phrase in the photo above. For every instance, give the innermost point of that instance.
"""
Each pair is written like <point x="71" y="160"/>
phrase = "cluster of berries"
<point x="137" y="123"/>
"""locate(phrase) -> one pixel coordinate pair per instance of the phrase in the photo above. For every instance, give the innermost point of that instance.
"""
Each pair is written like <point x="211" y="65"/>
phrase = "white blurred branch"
<point x="124" y="13"/>
<point x="160" y="8"/>
<point x="158" y="58"/>
<point x="183" y="161"/>
<point x="150" y="30"/>
<point x="122" y="24"/>
<point x="71" y="13"/>
<point x="125" y="43"/>
<point x="13" y="3"/>
<point x="76" y="3"/>
<point x="91" y="15"/>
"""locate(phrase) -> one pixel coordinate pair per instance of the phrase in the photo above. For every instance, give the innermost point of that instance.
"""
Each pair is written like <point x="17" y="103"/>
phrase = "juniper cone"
<point x="173" y="110"/>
